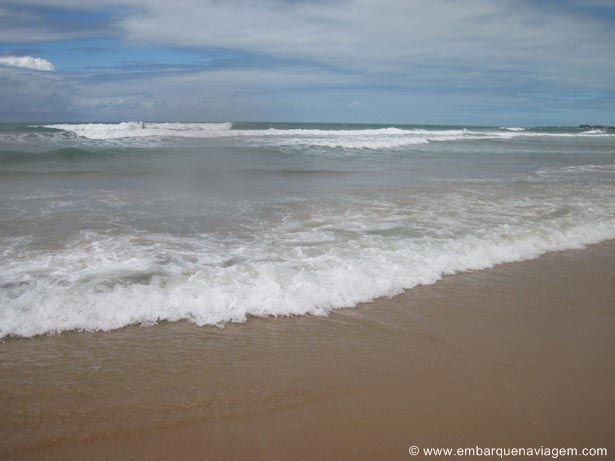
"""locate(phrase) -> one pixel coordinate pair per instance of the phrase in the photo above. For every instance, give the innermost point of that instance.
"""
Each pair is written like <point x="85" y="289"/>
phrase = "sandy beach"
<point x="516" y="356"/>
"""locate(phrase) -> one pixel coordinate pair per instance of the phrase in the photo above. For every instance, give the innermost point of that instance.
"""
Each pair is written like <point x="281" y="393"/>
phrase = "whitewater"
<point x="108" y="225"/>
<point x="355" y="137"/>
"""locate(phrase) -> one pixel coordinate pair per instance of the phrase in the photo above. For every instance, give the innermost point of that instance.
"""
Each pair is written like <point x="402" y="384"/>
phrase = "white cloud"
<point x="400" y="41"/>
<point x="392" y="37"/>
<point x="27" y="62"/>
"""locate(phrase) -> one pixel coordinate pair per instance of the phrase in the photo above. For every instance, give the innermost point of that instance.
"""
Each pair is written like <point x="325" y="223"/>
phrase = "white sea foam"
<point x="329" y="260"/>
<point x="379" y="138"/>
<point x="597" y="131"/>
<point x="353" y="142"/>
<point x="142" y="130"/>
<point x="608" y="168"/>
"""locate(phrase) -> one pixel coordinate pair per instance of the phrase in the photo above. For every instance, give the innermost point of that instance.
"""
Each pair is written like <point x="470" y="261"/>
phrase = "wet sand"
<point x="522" y="355"/>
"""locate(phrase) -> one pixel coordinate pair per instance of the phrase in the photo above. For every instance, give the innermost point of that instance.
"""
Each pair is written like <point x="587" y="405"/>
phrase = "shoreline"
<point x="516" y="355"/>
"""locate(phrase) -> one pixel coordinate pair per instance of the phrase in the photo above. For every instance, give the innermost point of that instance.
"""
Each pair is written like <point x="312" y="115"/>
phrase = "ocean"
<point x="108" y="225"/>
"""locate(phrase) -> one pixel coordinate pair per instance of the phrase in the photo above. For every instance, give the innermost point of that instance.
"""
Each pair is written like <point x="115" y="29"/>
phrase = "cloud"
<point x="518" y="41"/>
<point x="276" y="94"/>
<point x="29" y="22"/>
<point x="423" y="61"/>
<point x="392" y="37"/>
<point x="34" y="96"/>
<point x="564" y="43"/>
<point x="27" y="62"/>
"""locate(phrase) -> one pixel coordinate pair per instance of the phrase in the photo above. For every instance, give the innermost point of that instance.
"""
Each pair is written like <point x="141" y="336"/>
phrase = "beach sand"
<point x="521" y="355"/>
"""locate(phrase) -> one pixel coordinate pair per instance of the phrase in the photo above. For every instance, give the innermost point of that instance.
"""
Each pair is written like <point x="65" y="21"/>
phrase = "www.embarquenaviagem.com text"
<point x="500" y="452"/>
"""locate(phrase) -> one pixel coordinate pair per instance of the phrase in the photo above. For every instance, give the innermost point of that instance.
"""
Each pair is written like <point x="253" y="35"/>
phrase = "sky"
<point x="480" y="62"/>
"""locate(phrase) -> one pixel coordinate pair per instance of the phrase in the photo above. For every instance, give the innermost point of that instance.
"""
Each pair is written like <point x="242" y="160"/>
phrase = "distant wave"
<point x="596" y="131"/>
<point x="356" y="138"/>
<point x="576" y="169"/>
<point x="141" y="129"/>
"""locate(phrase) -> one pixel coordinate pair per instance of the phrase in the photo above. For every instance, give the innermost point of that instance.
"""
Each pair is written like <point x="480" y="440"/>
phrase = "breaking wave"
<point x="142" y="130"/>
<point x="332" y="260"/>
<point x="355" y="138"/>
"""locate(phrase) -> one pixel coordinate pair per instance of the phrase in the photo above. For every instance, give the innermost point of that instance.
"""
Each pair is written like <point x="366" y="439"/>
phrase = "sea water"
<point x="107" y="225"/>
